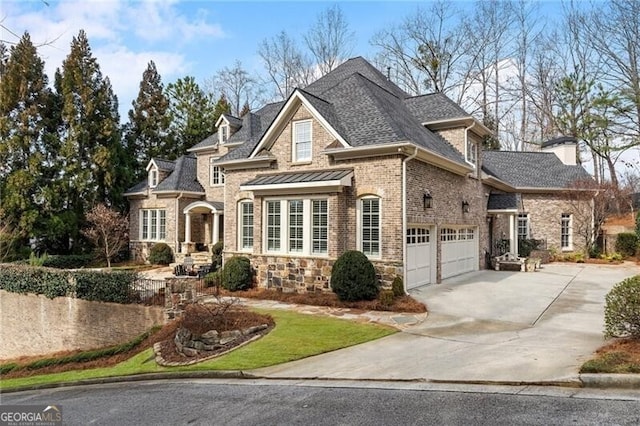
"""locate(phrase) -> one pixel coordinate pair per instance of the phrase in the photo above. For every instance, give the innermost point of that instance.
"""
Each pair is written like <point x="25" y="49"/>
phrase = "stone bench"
<point x="509" y="259"/>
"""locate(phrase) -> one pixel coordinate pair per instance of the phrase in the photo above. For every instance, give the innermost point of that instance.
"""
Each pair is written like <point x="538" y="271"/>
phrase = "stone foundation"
<point x="308" y="274"/>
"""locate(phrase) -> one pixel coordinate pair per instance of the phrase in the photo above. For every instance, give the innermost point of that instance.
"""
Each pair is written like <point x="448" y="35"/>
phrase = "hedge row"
<point x="88" y="285"/>
<point x="62" y="261"/>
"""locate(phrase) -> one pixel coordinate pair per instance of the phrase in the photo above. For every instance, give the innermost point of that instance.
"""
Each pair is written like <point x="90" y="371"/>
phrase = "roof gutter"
<point x="404" y="215"/>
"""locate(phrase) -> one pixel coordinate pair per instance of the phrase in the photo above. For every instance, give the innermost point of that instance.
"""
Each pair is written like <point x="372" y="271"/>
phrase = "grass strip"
<point x="295" y="336"/>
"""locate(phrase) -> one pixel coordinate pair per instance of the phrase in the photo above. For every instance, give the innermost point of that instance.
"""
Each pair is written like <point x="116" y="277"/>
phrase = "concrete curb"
<point x="600" y="381"/>
<point x="620" y="381"/>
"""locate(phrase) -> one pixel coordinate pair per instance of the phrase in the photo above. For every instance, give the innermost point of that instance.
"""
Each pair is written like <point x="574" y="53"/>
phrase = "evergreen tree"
<point x="191" y="113"/>
<point x="148" y="132"/>
<point x="222" y="107"/>
<point x="26" y="116"/>
<point x="90" y="151"/>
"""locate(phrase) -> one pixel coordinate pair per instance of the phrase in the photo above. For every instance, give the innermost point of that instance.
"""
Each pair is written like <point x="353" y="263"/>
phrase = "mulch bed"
<point x="329" y="299"/>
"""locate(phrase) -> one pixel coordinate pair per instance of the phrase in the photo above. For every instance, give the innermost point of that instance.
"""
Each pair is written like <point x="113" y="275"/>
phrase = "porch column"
<point x="187" y="228"/>
<point x="513" y="241"/>
<point x="216" y="228"/>
<point x="207" y="227"/>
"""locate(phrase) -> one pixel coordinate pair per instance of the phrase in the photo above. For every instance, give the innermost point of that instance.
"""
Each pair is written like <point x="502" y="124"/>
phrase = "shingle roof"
<point x="209" y="141"/>
<point x="559" y="141"/>
<point x="434" y="107"/>
<point x="351" y="66"/>
<point x="137" y="188"/>
<point x="251" y="133"/>
<point x="531" y="169"/>
<point x="166" y="165"/>
<point x="299" y="177"/>
<point x="183" y="178"/>
<point x="509" y="201"/>
<point x="233" y="121"/>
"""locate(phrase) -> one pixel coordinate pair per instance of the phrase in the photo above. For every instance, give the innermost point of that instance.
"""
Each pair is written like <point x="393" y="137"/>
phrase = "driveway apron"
<point x="488" y="326"/>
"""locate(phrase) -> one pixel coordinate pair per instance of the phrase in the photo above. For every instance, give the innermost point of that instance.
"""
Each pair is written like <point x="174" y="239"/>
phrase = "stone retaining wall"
<point x="33" y="325"/>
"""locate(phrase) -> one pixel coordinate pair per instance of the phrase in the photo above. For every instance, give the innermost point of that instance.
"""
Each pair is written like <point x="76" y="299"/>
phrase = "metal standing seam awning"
<point x="300" y="182"/>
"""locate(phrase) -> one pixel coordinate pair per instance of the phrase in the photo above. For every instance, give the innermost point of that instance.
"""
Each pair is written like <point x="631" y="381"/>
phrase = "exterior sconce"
<point x="427" y="201"/>
<point x="465" y="206"/>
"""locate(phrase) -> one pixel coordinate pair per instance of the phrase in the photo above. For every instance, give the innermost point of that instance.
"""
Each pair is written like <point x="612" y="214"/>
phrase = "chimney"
<point x="565" y="147"/>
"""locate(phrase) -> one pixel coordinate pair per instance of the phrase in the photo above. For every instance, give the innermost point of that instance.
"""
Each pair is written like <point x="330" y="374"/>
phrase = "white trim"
<point x="240" y="225"/>
<point x="294" y="142"/>
<point x="201" y="203"/>
<point x="359" y="213"/>
<point x="284" y="237"/>
<point x="220" y="170"/>
<point x="177" y="191"/>
<point x="148" y="228"/>
<point x="277" y="124"/>
<point x="221" y="118"/>
<point x="569" y="246"/>
<point x="154" y="176"/>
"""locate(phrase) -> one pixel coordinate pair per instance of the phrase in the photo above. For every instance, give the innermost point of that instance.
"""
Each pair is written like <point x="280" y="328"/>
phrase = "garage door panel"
<point x="459" y="251"/>
<point x="419" y="252"/>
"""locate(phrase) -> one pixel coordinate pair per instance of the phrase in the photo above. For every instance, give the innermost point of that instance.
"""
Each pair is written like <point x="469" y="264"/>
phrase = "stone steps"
<point x="199" y="258"/>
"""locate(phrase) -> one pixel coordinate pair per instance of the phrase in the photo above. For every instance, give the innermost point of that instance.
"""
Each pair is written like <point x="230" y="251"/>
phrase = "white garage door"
<point x="418" y="257"/>
<point x="459" y="251"/>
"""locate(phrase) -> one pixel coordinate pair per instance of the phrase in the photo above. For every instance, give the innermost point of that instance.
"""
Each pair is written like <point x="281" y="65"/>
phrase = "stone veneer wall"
<point x="33" y="325"/>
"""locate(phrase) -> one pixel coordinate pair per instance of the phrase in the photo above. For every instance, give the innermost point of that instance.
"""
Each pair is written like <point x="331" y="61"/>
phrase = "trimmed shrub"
<point x="622" y="309"/>
<point x="353" y="277"/>
<point x="216" y="255"/>
<point x="627" y="243"/>
<point x="236" y="274"/>
<point x="398" y="287"/>
<point x="37" y="280"/>
<point x="526" y="245"/>
<point x="106" y="286"/>
<point x="386" y="298"/>
<point x="213" y="279"/>
<point x="160" y="254"/>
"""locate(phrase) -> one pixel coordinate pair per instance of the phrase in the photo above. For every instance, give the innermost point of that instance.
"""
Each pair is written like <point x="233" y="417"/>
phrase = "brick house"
<point x="351" y="162"/>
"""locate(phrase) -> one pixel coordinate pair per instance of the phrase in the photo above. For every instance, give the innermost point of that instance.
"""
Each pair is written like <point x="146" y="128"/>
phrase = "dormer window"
<point x="471" y="152"/>
<point x="223" y="133"/>
<point x="153" y="177"/>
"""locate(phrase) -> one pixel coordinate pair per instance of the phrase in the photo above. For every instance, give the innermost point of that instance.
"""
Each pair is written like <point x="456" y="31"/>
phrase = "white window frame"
<point x="471" y="152"/>
<point x="216" y="173"/>
<point x="245" y="229"/>
<point x="285" y="226"/>
<point x="223" y="133"/>
<point x="523" y="217"/>
<point x="153" y="225"/>
<point x="295" y="154"/>
<point x="153" y="177"/>
<point x="566" y="229"/>
<point x="360" y="223"/>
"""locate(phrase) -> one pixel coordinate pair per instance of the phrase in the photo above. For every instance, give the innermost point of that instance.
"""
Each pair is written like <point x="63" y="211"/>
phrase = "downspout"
<point x="177" y="228"/>
<point x="404" y="215"/>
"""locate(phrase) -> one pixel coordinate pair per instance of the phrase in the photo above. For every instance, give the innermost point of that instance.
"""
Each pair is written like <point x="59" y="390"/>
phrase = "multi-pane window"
<point x="417" y="236"/>
<point x="565" y="231"/>
<point x="273" y="225"/>
<point x="302" y="141"/>
<point x="246" y="225"/>
<point x="153" y="178"/>
<point x="472" y="152"/>
<point x="224" y="133"/>
<point x="302" y="224"/>
<point x="216" y="174"/>
<point x="296" y="226"/>
<point x="153" y="225"/>
<point x="523" y="226"/>
<point x="370" y="226"/>
<point x="319" y="226"/>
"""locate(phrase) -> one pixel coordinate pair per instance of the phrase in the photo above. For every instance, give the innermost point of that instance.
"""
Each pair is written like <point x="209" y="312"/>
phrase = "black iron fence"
<point x="149" y="292"/>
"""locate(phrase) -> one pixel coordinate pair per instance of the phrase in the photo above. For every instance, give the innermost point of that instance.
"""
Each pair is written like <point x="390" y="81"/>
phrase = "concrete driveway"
<point x="506" y="327"/>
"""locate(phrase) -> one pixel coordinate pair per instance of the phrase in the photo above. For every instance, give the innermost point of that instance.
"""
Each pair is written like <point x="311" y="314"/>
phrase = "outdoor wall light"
<point x="465" y="206"/>
<point x="427" y="201"/>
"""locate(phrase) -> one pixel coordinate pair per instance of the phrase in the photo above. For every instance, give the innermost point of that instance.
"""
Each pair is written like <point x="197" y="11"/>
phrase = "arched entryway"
<point x="206" y="217"/>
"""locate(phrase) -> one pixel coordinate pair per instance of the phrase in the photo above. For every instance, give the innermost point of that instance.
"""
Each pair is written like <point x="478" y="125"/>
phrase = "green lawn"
<point x="295" y="336"/>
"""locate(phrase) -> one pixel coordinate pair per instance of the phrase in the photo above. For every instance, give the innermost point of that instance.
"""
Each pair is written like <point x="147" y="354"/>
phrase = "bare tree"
<point x="329" y="40"/>
<point x="426" y="51"/>
<point x="285" y="64"/>
<point x="238" y="86"/>
<point x="108" y="231"/>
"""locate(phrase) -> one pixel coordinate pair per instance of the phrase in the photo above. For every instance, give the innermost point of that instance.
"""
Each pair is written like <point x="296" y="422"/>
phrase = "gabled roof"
<point x="162" y="164"/>
<point x="183" y="178"/>
<point x="559" y="141"/>
<point x="210" y="141"/>
<point x="542" y="170"/>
